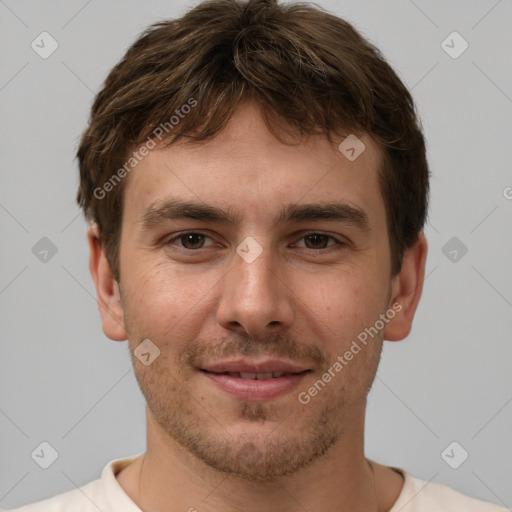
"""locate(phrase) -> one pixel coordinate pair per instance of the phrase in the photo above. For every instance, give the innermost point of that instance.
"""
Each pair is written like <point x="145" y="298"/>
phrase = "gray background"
<point x="64" y="382"/>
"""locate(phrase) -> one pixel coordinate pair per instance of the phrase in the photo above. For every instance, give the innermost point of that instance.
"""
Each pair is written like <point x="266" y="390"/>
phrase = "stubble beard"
<point x="291" y="445"/>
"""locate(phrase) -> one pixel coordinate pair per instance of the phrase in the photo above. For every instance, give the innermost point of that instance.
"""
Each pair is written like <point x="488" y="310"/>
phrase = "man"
<point x="257" y="187"/>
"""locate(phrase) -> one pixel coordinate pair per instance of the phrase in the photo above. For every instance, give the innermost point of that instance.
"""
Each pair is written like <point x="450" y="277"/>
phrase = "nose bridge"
<point x="253" y="296"/>
<point x="254" y="274"/>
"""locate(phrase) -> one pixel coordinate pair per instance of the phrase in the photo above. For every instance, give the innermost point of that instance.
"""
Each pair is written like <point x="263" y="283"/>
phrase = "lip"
<point x="251" y="389"/>
<point x="243" y="365"/>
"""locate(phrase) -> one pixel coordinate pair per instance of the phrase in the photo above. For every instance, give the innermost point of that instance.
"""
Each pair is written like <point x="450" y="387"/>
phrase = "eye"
<point x="190" y="240"/>
<point x="319" y="241"/>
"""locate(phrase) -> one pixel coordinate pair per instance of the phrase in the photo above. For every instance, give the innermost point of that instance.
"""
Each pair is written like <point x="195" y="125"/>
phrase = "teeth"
<point x="251" y="376"/>
<point x="257" y="376"/>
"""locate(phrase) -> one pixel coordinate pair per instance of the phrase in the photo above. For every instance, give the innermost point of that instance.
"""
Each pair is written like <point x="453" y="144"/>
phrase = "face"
<point x="244" y="257"/>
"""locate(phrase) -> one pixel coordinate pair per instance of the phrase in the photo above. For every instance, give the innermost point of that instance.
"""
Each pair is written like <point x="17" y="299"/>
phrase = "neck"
<point x="341" y="480"/>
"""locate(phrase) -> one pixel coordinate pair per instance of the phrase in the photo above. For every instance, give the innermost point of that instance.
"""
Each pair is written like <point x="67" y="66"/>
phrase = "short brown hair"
<point x="302" y="65"/>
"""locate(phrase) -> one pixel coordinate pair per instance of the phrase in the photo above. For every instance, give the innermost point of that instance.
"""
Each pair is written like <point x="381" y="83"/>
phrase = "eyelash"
<point x="338" y="243"/>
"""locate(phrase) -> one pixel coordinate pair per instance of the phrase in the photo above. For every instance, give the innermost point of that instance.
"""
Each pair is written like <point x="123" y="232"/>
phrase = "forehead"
<point x="246" y="168"/>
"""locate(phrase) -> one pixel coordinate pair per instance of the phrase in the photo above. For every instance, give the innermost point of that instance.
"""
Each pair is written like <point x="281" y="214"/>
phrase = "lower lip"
<point x="256" y="390"/>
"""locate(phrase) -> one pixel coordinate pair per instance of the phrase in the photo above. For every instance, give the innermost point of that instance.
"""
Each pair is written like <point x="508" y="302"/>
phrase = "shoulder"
<point x="424" y="496"/>
<point x="84" y="499"/>
<point x="103" y="494"/>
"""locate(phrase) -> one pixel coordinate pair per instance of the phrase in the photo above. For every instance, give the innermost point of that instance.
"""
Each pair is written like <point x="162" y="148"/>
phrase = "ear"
<point x="107" y="288"/>
<point x="406" y="290"/>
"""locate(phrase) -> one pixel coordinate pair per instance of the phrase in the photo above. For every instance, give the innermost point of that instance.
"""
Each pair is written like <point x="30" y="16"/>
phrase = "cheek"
<point x="165" y="303"/>
<point x="343" y="304"/>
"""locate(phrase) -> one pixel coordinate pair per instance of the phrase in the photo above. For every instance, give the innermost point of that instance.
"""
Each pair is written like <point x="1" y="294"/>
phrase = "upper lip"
<point x="246" y="366"/>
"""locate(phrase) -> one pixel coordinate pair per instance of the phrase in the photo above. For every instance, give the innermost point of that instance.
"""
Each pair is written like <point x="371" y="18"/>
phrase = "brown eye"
<point x="316" y="241"/>
<point x="319" y="241"/>
<point x="190" y="241"/>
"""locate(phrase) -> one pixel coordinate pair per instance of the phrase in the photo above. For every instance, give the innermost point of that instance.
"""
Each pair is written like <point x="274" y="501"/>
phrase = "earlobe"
<point x="407" y="287"/>
<point x="107" y="289"/>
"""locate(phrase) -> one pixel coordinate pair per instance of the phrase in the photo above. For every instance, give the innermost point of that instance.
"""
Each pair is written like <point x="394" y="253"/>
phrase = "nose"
<point x="255" y="297"/>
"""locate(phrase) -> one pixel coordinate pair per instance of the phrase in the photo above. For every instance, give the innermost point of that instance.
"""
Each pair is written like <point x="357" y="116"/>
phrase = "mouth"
<point x="254" y="376"/>
<point x="252" y="381"/>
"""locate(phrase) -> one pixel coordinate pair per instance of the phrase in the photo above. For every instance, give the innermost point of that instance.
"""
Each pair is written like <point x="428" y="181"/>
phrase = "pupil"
<point x="193" y="239"/>
<point x="196" y="238"/>
<point x="316" y="239"/>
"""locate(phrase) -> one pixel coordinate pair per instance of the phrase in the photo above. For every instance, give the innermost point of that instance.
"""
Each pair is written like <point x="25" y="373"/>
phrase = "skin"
<point x="299" y="301"/>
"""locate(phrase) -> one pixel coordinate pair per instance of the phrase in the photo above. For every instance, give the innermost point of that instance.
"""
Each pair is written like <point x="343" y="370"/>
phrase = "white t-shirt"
<point x="107" y="495"/>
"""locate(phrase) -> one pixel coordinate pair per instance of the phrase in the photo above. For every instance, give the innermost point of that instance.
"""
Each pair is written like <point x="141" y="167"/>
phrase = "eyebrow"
<point x="176" y="209"/>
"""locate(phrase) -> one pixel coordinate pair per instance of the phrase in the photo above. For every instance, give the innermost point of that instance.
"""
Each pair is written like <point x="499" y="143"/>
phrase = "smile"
<point x="251" y="381"/>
